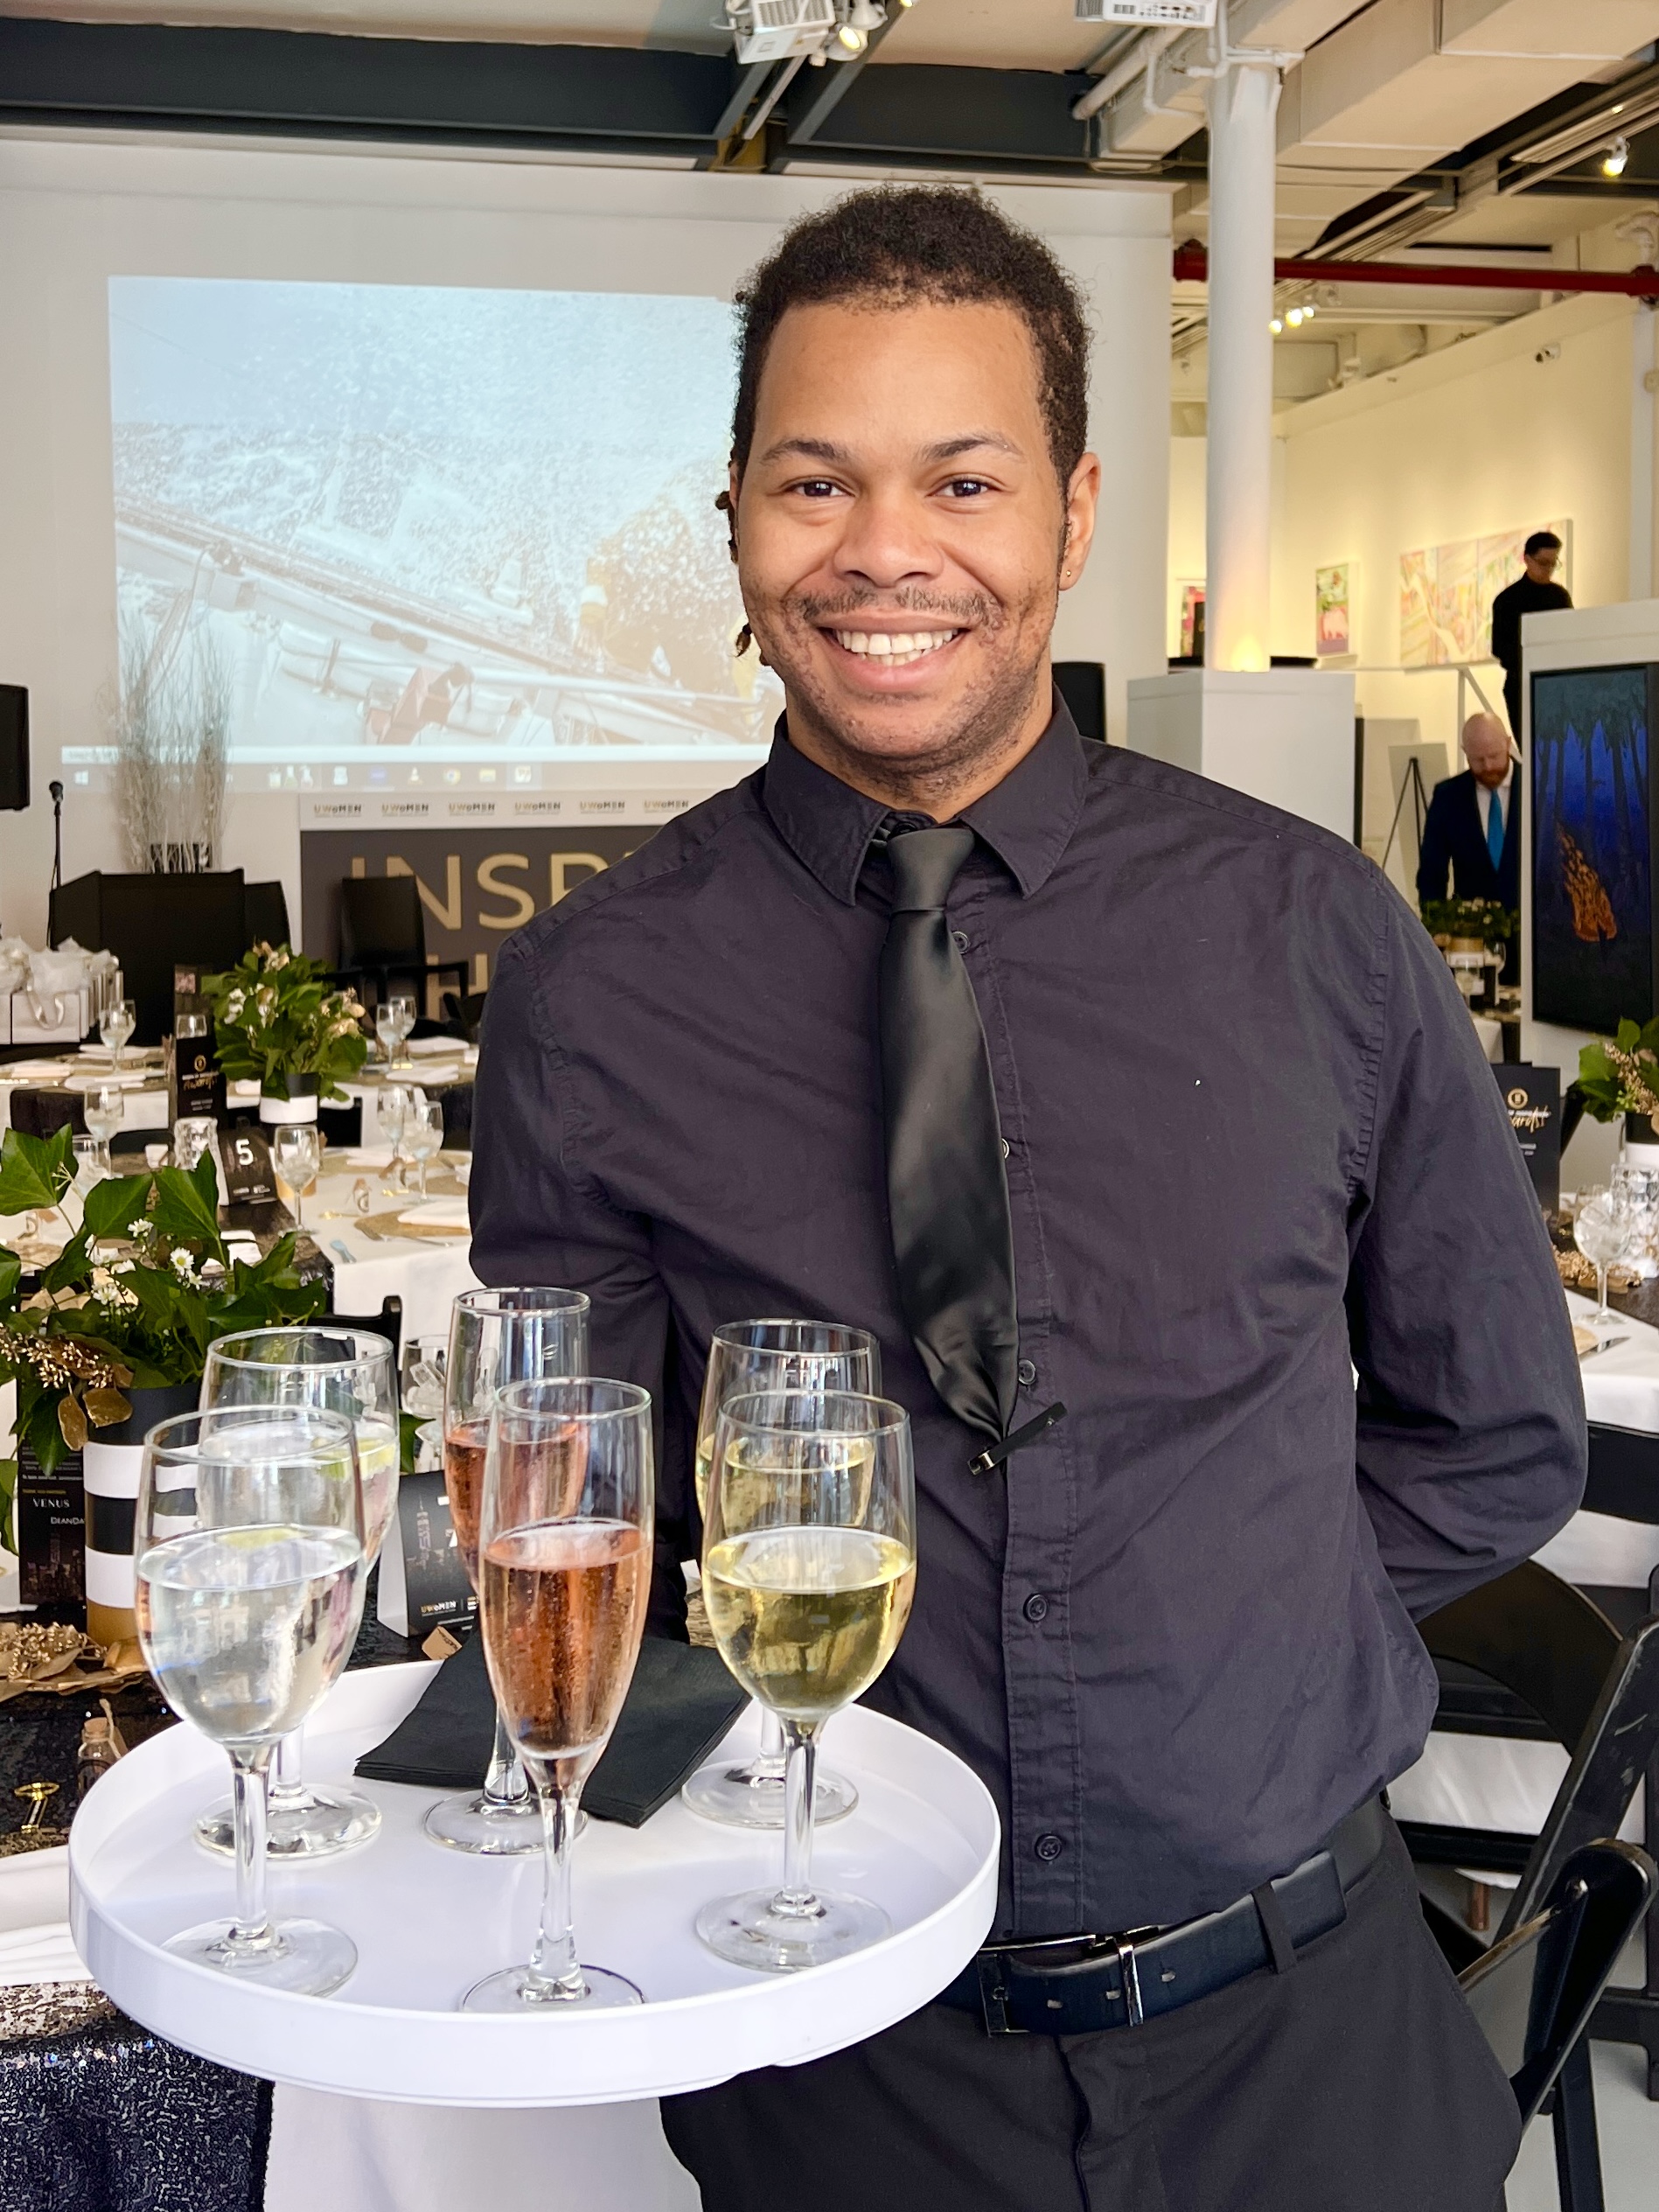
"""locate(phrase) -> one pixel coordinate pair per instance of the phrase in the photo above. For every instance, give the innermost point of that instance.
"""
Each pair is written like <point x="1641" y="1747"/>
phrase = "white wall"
<point x="73" y="213"/>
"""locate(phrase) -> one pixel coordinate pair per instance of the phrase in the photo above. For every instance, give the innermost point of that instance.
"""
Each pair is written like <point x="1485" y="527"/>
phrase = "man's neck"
<point x="940" y="788"/>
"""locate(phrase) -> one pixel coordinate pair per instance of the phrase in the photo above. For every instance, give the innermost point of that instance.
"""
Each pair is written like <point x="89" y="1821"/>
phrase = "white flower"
<point x="181" y="1263"/>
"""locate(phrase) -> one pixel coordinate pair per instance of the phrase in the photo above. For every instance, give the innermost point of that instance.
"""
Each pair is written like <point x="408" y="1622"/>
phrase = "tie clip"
<point x="985" y="1462"/>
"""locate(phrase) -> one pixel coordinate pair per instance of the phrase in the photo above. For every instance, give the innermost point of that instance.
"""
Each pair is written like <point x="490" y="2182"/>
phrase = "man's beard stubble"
<point x="984" y="721"/>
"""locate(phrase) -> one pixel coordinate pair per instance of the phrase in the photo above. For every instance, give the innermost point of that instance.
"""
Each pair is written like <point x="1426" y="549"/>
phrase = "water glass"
<point x="565" y="1545"/>
<point x="115" y="1024"/>
<point x="249" y="1562"/>
<point x="193" y="1137"/>
<point x="809" y="1568"/>
<point x="352" y="1373"/>
<point x="423" y="1135"/>
<point x="106" y="1113"/>
<point x="497" y="1338"/>
<point x="1603" y="1229"/>
<point x="1637" y="1189"/>
<point x="298" y="1157"/>
<point x="746" y="1355"/>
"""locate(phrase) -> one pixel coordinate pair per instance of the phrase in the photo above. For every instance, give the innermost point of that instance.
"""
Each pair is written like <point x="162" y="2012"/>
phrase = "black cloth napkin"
<point x="680" y="1704"/>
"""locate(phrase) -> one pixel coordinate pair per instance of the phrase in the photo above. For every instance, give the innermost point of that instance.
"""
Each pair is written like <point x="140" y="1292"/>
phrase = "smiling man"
<point x="1134" y="1117"/>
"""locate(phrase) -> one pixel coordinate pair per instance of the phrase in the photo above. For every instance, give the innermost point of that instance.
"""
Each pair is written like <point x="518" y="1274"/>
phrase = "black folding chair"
<point x="1535" y="1992"/>
<point x="383" y="936"/>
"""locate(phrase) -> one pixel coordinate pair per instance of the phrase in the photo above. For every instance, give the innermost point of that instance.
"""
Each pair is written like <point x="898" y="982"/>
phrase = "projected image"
<point x="385" y="522"/>
<point x="1592" y="919"/>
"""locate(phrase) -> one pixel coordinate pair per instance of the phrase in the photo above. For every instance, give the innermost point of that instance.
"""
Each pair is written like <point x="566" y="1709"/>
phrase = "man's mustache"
<point x="962" y="609"/>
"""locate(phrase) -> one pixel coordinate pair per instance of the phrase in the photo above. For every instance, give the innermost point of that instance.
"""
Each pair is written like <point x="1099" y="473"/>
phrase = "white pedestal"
<point x="1285" y="735"/>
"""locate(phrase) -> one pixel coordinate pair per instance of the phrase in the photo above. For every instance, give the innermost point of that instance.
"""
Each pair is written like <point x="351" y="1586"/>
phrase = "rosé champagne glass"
<point x="351" y="1372"/>
<point x="497" y="1338"/>
<point x="564" y="1545"/>
<point x="746" y="1355"/>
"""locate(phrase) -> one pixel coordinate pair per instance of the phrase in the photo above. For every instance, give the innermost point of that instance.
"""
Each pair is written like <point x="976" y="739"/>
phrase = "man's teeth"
<point x="898" y="650"/>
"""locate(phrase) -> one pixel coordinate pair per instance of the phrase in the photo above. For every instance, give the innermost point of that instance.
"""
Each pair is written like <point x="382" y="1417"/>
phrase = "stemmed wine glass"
<point x="1603" y="1229"/>
<point x="423" y="1134"/>
<point x="565" y="1540"/>
<point x="106" y="1111"/>
<point x="394" y="1021"/>
<point x="115" y="1024"/>
<point x="746" y="1355"/>
<point x="352" y="1373"/>
<point x="809" y="1567"/>
<point x="496" y="1337"/>
<point x="249" y="1565"/>
<point x="299" y="1157"/>
<point x="391" y="1112"/>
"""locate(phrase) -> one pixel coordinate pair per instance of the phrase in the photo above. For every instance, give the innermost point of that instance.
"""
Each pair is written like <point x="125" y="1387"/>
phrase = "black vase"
<point x="150" y="1406"/>
<point x="1639" y="1129"/>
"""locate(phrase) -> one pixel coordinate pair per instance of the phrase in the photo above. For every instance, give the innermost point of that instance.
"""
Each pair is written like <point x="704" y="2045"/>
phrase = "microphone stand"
<point x="56" y="789"/>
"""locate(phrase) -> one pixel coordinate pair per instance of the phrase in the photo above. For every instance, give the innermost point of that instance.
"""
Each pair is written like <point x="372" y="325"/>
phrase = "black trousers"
<point x="1356" y="2081"/>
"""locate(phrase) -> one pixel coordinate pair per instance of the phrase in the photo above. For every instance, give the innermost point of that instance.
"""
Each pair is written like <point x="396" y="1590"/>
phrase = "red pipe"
<point x="1192" y="264"/>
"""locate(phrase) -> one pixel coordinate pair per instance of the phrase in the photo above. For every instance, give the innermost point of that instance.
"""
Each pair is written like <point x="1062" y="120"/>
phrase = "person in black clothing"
<point x="1533" y="593"/>
<point x="1207" y="1098"/>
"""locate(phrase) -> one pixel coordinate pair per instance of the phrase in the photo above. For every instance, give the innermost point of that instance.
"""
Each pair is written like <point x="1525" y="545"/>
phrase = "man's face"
<point x="901" y="530"/>
<point x="1541" y="566"/>
<point x="1487" y="753"/>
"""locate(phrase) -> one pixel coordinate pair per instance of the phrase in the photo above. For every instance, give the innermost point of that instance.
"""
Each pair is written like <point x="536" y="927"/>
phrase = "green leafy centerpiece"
<point x="278" y="1022"/>
<point x="1619" y="1076"/>
<point x="1470" y="921"/>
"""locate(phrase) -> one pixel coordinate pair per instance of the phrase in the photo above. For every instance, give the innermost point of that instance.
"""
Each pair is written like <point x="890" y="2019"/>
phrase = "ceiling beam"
<point x="918" y="110"/>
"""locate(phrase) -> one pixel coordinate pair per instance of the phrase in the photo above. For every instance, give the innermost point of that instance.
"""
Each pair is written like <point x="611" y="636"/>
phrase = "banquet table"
<point x="383" y="1253"/>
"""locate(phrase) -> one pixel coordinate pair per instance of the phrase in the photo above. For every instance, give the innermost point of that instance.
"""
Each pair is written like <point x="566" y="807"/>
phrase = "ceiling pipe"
<point x="1125" y="70"/>
<point x="1192" y="266"/>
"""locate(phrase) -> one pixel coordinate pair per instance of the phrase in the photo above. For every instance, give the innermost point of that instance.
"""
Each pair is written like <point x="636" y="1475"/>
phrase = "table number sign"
<point x="249" y="1179"/>
<point x="1532" y="1099"/>
<point x="424" y="1578"/>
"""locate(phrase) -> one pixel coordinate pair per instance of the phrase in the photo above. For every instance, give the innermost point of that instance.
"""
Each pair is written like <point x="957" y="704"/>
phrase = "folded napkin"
<point x="680" y="1704"/>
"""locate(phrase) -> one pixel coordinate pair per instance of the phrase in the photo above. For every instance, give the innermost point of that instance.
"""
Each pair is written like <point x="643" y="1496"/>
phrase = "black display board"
<point x="1532" y="1099"/>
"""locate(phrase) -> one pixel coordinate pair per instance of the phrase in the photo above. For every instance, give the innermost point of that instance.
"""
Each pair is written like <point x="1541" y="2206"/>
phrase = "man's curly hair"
<point x="892" y="244"/>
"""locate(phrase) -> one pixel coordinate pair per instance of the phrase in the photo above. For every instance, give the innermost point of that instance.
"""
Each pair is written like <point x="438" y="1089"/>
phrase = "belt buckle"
<point x="993" y="1995"/>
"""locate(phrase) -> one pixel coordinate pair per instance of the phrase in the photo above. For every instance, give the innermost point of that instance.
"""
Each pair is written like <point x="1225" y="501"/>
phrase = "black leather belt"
<point x="1077" y="1985"/>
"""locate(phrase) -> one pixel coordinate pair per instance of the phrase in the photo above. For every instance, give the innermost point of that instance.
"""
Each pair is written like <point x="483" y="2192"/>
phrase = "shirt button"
<point x="1036" y="1606"/>
<point x="1027" y="1372"/>
<point x="959" y="939"/>
<point x="1048" y="1848"/>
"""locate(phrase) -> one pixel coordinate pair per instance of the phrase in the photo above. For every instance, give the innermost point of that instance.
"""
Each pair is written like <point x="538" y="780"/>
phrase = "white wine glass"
<point x="115" y="1024"/>
<point x="106" y="1113"/>
<point x="299" y="1154"/>
<point x="353" y="1373"/>
<point x="390" y="1112"/>
<point x="423" y="1135"/>
<point x="565" y="1547"/>
<point x="743" y="1357"/>
<point x="249" y="1564"/>
<point x="496" y="1337"/>
<point x="388" y="1017"/>
<point x="1604" y="1229"/>
<point x="809" y="1567"/>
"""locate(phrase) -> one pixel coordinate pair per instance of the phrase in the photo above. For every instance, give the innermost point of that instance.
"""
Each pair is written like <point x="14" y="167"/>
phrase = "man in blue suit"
<point x="1473" y="825"/>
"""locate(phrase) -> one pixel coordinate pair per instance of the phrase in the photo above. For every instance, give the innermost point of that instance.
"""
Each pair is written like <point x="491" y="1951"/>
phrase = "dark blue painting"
<point x="1593" y="933"/>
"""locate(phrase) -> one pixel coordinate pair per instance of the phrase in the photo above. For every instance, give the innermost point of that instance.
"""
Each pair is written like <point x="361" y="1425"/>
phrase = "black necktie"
<point x="947" y="1190"/>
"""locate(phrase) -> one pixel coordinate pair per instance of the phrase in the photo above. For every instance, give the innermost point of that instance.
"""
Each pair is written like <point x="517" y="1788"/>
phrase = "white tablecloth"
<point x="426" y="1274"/>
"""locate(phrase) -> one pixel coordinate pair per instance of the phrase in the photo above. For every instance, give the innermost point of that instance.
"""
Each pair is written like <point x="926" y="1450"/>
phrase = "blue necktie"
<point x="1495" y="829"/>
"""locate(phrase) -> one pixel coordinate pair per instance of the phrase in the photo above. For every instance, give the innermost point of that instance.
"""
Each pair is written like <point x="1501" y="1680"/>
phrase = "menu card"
<point x="1532" y="1099"/>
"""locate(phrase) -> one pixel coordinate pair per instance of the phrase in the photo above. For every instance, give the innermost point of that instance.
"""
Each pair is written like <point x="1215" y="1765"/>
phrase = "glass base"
<point x="752" y="1796"/>
<point x="306" y="1958"/>
<point x="321" y="1824"/>
<point x="511" y="1992"/>
<point x="750" y="1931"/>
<point x="490" y="1828"/>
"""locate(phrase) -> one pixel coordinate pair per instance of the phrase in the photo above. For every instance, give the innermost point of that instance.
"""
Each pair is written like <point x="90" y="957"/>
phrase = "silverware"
<point x="1607" y="1344"/>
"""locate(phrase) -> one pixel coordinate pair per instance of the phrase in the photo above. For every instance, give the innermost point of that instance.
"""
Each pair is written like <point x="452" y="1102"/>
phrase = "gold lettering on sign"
<point x="446" y="912"/>
<point x="489" y="880"/>
<point x="559" y="868"/>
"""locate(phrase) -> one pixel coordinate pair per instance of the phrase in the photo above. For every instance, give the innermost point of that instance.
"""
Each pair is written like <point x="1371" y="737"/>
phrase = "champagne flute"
<point x="106" y="1113"/>
<point x="115" y="1024"/>
<point x="565" y="1542"/>
<point x="423" y="1135"/>
<point x="298" y="1158"/>
<point x="746" y="1355"/>
<point x="1603" y="1228"/>
<point x="350" y="1373"/>
<point x="809" y="1567"/>
<point x="249" y="1565"/>
<point x="496" y="1337"/>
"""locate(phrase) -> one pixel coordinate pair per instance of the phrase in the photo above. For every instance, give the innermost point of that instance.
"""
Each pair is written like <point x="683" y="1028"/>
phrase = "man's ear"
<point x="727" y="504"/>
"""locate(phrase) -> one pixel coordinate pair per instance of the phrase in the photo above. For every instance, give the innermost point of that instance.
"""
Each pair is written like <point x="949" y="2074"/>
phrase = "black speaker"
<point x="14" y="748"/>
<point x="1081" y="684"/>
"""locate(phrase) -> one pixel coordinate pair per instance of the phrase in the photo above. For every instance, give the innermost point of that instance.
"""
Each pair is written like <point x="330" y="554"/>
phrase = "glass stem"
<point x="795" y="1899"/>
<point x="251" y="1931"/>
<point x="1601" y="1291"/>
<point x="288" y="1782"/>
<point x="554" y="1971"/>
<point x="506" y="1783"/>
<point x="774" y="1751"/>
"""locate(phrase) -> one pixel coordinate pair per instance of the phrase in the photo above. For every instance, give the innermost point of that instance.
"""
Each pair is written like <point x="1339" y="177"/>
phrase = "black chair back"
<point x="265" y="914"/>
<point x="1538" y="1636"/>
<point x="1624" y="1475"/>
<point x="382" y="924"/>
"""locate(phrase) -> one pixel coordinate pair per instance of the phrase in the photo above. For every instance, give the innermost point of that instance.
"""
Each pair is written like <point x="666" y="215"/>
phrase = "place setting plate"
<point x="922" y="1842"/>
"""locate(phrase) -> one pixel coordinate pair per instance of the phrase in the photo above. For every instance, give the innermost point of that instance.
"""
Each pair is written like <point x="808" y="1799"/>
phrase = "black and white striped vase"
<point x="110" y="1473"/>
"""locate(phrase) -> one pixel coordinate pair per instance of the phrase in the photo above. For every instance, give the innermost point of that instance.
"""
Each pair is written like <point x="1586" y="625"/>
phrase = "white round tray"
<point x="428" y="1923"/>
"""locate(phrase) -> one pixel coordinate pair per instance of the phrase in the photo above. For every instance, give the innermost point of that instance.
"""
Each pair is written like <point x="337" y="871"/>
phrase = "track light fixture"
<point x="1613" y="162"/>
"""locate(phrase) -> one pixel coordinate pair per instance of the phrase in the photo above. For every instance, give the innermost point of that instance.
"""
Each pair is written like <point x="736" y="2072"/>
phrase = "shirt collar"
<point x="1027" y="820"/>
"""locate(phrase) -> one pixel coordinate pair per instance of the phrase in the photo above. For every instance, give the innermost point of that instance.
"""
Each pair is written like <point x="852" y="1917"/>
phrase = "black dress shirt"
<point x="1251" y="1135"/>
<point x="1516" y="601"/>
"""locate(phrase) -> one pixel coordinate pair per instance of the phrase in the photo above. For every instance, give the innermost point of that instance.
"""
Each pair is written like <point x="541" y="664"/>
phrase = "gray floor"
<point x="1629" y="2130"/>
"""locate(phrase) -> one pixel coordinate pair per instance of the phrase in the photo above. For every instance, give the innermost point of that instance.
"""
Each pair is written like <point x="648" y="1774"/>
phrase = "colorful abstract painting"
<point x="1447" y="593"/>
<point x="1333" y="618"/>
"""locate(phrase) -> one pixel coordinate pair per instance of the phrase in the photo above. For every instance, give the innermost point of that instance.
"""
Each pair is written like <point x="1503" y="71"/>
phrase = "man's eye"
<point x="967" y="487"/>
<point x="817" y="487"/>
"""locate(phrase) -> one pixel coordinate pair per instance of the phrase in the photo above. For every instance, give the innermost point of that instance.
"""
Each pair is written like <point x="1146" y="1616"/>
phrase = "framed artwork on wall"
<point x="1333" y="616"/>
<point x="1595" y="932"/>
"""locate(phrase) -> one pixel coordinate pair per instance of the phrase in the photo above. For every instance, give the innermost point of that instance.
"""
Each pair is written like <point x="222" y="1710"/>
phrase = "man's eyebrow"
<point x="808" y="450"/>
<point x="976" y="441"/>
<point x="838" y="456"/>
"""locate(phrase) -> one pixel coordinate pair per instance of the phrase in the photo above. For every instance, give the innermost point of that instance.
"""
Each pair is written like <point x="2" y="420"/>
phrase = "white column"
<point x="1243" y="100"/>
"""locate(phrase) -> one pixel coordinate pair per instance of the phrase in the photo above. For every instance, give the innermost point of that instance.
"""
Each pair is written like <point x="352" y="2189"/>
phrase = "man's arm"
<point x="1434" y="854"/>
<point x="540" y="1218"/>
<point x="1506" y="630"/>
<point x="1470" y="1430"/>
